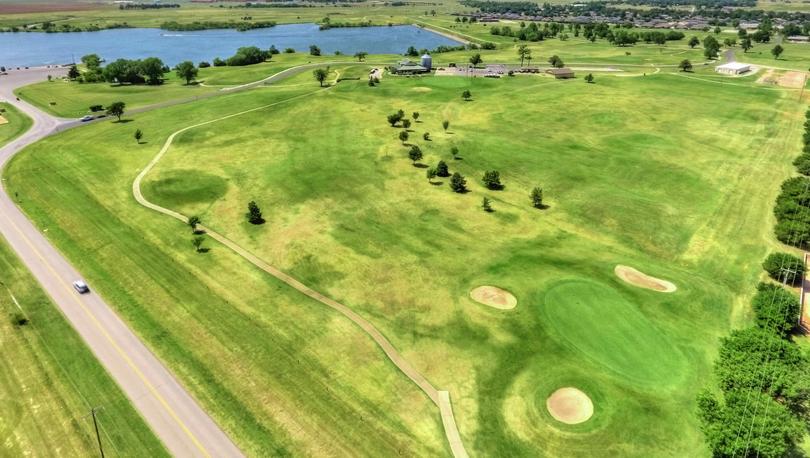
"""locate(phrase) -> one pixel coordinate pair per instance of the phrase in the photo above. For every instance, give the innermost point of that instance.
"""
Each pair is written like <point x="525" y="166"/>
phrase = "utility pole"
<point x="95" y="424"/>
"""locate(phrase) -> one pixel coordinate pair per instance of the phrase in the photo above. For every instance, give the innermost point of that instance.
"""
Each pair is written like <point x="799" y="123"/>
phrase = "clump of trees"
<point x="556" y="62"/>
<point x="248" y="55"/>
<point x="126" y="71"/>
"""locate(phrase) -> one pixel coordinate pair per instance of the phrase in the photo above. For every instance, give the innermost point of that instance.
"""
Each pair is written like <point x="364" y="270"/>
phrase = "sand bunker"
<point x="570" y="406"/>
<point x="494" y="297"/>
<point x="421" y="89"/>
<point x="3" y="120"/>
<point x="642" y="280"/>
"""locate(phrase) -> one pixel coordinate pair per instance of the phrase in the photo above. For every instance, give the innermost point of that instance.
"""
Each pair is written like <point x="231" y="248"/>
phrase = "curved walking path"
<point x="183" y="427"/>
<point x="440" y="398"/>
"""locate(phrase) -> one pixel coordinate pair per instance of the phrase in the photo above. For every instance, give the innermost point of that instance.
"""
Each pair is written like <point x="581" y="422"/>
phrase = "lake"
<point x="36" y="48"/>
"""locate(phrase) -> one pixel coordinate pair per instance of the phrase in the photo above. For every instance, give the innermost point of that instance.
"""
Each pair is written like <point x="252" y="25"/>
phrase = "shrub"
<point x="458" y="183"/>
<point x="204" y="64"/>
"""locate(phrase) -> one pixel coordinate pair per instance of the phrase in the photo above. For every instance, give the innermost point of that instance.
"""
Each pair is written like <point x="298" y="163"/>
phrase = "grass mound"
<point x="184" y="187"/>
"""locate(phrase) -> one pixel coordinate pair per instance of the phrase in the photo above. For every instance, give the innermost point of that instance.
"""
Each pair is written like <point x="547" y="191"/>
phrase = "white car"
<point x="81" y="287"/>
<point x="86" y="118"/>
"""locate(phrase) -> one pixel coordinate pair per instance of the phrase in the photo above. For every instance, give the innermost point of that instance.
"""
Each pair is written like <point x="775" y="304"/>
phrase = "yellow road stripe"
<point x="117" y="348"/>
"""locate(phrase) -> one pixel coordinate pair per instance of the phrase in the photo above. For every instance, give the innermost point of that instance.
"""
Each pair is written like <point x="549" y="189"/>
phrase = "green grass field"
<point x="640" y="171"/>
<point x="16" y="123"/>
<point x="50" y="381"/>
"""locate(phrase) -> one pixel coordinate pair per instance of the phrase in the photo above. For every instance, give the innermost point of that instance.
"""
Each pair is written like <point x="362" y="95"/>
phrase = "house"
<point x="798" y="39"/>
<point x="733" y="68"/>
<point x="407" y="67"/>
<point x="561" y="73"/>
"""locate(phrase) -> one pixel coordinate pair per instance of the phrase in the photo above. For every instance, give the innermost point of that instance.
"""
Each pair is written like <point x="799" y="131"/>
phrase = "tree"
<point x="523" y="52"/>
<point x="360" y="55"/>
<point x="394" y="118"/>
<point x="123" y="71"/>
<point x="415" y="115"/>
<point x="415" y="154"/>
<point x="466" y="95"/>
<point x="717" y="30"/>
<point x="589" y="78"/>
<point x="776" y="309"/>
<point x="116" y="109"/>
<point x="431" y="174"/>
<point x="406" y="123"/>
<point x="746" y="44"/>
<point x="537" y="197"/>
<point x="254" y="214"/>
<point x="153" y="69"/>
<point x="784" y="267"/>
<point x="426" y="136"/>
<point x="454" y="152"/>
<point x="314" y="50"/>
<point x="403" y="136"/>
<point x="694" y="41"/>
<point x="186" y="70"/>
<point x="777" y="51"/>
<point x="492" y="180"/>
<point x="412" y="52"/>
<point x="73" y="73"/>
<point x="138" y="135"/>
<point x="458" y="183"/>
<point x="441" y="169"/>
<point x="91" y="61"/>
<point x="556" y="62"/>
<point x="486" y="205"/>
<point x="710" y="47"/>
<point x="445" y="124"/>
<point x="320" y="74"/>
<point x="197" y="242"/>
<point x="476" y="59"/>
<point x="685" y="65"/>
<point x="193" y="221"/>
<point x="730" y="42"/>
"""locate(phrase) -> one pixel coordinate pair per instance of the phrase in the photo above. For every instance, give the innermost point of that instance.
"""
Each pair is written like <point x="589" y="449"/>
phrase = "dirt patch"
<point x="793" y="80"/>
<point x="642" y="280"/>
<point x="494" y="297"/>
<point x="421" y="89"/>
<point x="3" y="120"/>
<point x="570" y="406"/>
<point x="767" y="77"/>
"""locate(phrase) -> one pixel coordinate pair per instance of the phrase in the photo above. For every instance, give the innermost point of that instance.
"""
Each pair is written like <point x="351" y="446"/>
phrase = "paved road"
<point x="183" y="427"/>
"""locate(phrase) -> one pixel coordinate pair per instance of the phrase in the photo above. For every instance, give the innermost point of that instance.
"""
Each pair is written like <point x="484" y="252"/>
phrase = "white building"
<point x="733" y="68"/>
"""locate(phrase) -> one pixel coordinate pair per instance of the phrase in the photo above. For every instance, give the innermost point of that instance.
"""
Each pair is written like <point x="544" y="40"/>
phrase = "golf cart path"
<point x="440" y="398"/>
<point x="173" y="415"/>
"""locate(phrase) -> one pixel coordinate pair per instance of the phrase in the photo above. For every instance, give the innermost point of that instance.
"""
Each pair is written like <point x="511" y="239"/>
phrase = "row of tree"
<point x="792" y="208"/>
<point x="760" y="408"/>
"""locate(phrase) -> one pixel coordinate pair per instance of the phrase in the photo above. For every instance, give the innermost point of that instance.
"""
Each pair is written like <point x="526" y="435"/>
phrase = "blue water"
<point x="34" y="48"/>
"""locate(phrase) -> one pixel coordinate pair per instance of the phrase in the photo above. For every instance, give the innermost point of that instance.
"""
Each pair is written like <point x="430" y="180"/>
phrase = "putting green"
<point x="604" y="327"/>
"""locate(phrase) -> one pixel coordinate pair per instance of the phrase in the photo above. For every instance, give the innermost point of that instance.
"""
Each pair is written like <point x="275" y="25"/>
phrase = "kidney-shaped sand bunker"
<point x="494" y="297"/>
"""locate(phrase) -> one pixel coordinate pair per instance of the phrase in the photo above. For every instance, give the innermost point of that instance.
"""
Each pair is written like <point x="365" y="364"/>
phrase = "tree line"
<point x="244" y="26"/>
<point x="792" y="209"/>
<point x="760" y="404"/>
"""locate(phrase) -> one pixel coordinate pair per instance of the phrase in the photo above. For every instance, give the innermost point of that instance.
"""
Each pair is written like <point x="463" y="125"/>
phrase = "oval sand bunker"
<point x="642" y="280"/>
<point x="570" y="406"/>
<point x="494" y="297"/>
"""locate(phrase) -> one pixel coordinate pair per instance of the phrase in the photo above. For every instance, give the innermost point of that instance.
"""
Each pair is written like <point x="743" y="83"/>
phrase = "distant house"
<point x="561" y="73"/>
<point x="733" y="68"/>
<point x="407" y="67"/>
<point x="798" y="39"/>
